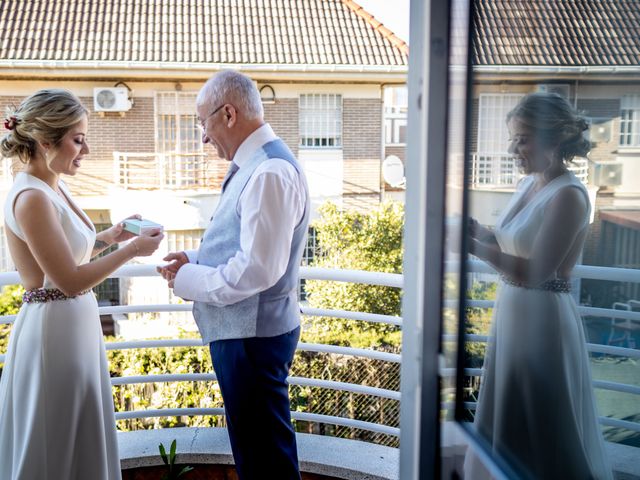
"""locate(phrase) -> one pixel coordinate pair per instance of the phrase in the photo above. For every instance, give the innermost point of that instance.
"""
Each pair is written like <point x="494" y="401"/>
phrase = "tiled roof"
<point x="557" y="32"/>
<point x="197" y="31"/>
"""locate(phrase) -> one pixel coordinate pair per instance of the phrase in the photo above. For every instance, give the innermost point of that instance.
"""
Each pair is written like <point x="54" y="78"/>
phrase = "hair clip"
<point x="11" y="122"/>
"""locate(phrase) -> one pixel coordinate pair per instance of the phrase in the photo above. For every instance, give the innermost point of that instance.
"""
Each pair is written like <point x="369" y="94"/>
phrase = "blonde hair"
<point x="45" y="116"/>
<point x="555" y="123"/>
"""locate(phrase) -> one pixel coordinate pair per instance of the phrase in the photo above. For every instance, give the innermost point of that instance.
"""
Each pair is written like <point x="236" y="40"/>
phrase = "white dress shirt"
<point x="270" y="207"/>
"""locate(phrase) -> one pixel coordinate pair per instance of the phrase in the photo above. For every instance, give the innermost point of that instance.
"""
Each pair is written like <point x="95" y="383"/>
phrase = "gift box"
<point x="139" y="227"/>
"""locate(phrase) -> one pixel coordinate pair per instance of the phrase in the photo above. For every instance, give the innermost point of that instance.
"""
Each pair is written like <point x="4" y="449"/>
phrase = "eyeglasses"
<point x="202" y="123"/>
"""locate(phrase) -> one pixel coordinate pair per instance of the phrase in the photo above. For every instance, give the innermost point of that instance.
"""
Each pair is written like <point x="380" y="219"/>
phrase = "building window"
<point x="180" y="240"/>
<point x="107" y="292"/>
<point x="6" y="263"/>
<point x="630" y="121"/>
<point x="396" y="103"/>
<point x="178" y="141"/>
<point x="310" y="252"/>
<point x="320" y="121"/>
<point x="492" y="164"/>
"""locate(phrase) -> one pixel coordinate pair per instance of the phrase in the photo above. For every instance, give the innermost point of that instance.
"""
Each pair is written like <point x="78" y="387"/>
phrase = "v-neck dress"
<point x="56" y="406"/>
<point x="536" y="404"/>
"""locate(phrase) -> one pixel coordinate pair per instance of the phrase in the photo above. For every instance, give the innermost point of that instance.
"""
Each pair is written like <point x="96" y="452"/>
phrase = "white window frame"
<point x="396" y="104"/>
<point x="320" y="121"/>
<point x="493" y="166"/>
<point x="629" y="121"/>
<point x="180" y="167"/>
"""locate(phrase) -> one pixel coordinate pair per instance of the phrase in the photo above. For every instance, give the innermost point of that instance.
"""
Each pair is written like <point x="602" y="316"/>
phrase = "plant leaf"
<point x="184" y="470"/>
<point x="163" y="454"/>
<point x="172" y="452"/>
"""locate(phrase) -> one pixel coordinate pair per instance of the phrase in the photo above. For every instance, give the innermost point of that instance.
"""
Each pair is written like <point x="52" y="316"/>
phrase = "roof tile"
<point x="198" y="31"/>
<point x="557" y="32"/>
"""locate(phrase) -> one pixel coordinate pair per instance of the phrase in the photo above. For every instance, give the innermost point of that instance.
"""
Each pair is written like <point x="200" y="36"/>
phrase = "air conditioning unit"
<point x="607" y="174"/>
<point x="561" y="89"/>
<point x="600" y="130"/>
<point x="111" y="99"/>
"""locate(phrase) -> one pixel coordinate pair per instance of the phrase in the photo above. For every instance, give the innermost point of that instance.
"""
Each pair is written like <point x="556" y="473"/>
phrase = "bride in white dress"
<point x="536" y="406"/>
<point x="56" y="405"/>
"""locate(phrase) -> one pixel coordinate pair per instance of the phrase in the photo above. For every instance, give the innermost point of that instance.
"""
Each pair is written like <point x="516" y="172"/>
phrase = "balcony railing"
<point x="371" y="278"/>
<point x="498" y="170"/>
<point x="164" y="171"/>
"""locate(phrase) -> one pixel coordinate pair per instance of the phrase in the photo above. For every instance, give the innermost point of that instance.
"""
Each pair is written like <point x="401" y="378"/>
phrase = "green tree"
<point x="355" y="240"/>
<point x="352" y="240"/>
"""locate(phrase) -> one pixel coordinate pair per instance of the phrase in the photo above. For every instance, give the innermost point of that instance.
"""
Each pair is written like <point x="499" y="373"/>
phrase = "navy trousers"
<point x="252" y="375"/>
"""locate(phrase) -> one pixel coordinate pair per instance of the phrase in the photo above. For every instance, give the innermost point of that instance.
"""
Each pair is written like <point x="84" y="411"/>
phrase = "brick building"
<point x="322" y="67"/>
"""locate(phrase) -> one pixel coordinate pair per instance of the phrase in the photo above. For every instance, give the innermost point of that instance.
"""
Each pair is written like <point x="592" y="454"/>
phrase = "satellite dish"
<point x="393" y="171"/>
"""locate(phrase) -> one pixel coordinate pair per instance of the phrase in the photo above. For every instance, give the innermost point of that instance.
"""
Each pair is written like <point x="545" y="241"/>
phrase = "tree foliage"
<point x="355" y="240"/>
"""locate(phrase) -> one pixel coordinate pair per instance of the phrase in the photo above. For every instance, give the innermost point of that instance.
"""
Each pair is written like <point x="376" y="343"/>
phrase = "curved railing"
<point x="372" y="278"/>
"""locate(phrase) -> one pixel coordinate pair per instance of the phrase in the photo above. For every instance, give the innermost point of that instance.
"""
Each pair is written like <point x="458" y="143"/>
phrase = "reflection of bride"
<point x="536" y="405"/>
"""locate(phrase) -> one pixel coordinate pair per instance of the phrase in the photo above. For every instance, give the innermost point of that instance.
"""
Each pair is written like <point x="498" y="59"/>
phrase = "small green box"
<point x="138" y="227"/>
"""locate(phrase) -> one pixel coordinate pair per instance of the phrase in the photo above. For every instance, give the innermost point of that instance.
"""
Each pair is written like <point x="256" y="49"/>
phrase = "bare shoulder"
<point x="32" y="205"/>
<point x="570" y="200"/>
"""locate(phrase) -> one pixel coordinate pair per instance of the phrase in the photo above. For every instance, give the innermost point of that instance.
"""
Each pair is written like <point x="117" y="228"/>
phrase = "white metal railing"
<point x="498" y="170"/>
<point x="159" y="171"/>
<point x="373" y="278"/>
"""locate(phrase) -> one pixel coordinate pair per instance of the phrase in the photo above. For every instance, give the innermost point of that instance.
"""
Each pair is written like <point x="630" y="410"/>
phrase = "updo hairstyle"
<point x="555" y="124"/>
<point x="45" y="116"/>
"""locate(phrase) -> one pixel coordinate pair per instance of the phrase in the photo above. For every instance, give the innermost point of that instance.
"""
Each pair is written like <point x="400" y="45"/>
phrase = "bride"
<point x="536" y="406"/>
<point x="56" y="406"/>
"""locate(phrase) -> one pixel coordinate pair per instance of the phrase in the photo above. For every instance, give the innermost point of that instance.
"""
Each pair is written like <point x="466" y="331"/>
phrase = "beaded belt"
<point x="42" y="295"/>
<point x="557" y="285"/>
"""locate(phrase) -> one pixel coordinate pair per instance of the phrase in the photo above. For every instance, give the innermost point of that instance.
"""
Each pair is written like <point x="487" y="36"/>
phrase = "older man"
<point x="243" y="279"/>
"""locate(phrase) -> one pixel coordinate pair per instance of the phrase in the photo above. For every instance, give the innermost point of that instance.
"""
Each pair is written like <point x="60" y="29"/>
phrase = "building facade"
<point x="322" y="68"/>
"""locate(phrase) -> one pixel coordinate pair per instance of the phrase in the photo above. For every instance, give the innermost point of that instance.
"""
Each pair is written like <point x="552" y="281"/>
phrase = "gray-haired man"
<point x="243" y="279"/>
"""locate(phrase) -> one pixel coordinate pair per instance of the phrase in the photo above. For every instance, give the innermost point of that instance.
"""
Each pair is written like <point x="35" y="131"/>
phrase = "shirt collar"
<point x="253" y="142"/>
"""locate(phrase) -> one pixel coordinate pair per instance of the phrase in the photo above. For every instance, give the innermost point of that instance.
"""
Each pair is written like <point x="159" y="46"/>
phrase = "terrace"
<point x="324" y="456"/>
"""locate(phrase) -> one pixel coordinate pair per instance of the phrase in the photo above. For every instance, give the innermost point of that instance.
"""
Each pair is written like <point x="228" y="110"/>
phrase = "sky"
<point x="394" y="14"/>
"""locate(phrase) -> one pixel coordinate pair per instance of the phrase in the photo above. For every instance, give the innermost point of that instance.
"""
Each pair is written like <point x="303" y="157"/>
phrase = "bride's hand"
<point x="477" y="231"/>
<point x="117" y="233"/>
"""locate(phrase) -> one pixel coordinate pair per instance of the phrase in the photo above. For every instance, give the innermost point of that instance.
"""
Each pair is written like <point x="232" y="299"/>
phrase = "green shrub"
<point x="10" y="303"/>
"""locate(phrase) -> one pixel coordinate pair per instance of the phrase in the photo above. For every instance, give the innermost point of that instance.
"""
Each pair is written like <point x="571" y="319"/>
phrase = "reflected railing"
<point x="615" y="315"/>
<point x="499" y="170"/>
<point x="369" y="278"/>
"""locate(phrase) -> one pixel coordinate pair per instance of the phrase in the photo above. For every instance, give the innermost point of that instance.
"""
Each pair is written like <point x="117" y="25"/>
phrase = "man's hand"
<point x="176" y="261"/>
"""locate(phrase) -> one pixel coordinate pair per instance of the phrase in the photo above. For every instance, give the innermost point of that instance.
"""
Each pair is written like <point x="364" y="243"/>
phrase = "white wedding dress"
<point x="536" y="406"/>
<point x="56" y="405"/>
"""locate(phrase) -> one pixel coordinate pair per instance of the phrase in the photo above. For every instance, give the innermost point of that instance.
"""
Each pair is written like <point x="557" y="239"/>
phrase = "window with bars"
<point x="178" y="140"/>
<point x="6" y="263"/>
<point x="630" y="121"/>
<point x="396" y="103"/>
<point x="492" y="164"/>
<point x="311" y="250"/>
<point x="107" y="292"/>
<point x="320" y="120"/>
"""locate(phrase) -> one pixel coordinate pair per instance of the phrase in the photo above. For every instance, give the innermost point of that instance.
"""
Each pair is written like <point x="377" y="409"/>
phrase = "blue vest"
<point x="269" y="313"/>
